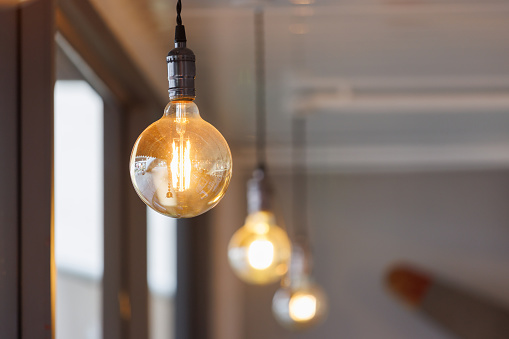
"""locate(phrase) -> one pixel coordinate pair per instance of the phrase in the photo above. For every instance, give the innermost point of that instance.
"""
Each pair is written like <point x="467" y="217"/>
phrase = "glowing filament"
<point x="180" y="165"/>
<point x="302" y="307"/>
<point x="260" y="254"/>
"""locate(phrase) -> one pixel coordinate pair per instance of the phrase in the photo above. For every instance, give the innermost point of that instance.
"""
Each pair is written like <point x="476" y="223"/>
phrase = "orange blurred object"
<point x="461" y="312"/>
<point x="410" y="285"/>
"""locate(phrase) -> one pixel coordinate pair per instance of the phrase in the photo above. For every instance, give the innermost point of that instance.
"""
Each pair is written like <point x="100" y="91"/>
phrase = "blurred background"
<point x="407" y="112"/>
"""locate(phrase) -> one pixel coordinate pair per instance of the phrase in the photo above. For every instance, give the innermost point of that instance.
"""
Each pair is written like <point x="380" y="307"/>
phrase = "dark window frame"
<point x="128" y="104"/>
<point x="27" y="272"/>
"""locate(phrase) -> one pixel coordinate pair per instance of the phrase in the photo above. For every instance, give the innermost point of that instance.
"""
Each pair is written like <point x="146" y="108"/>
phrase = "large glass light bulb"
<point x="260" y="250"/>
<point x="181" y="165"/>
<point x="300" y="305"/>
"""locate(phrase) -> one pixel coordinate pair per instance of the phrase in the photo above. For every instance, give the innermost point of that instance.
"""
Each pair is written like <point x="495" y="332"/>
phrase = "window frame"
<point x="129" y="103"/>
<point x="28" y="37"/>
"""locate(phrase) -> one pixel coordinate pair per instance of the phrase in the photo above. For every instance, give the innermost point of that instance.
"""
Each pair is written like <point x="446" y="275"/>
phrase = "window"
<point x="79" y="211"/>
<point x="161" y="273"/>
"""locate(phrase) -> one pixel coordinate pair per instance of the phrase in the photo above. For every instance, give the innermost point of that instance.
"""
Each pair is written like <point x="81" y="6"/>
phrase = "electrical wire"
<point x="179" y="9"/>
<point x="261" y="119"/>
<point x="180" y="31"/>
<point x="300" y="192"/>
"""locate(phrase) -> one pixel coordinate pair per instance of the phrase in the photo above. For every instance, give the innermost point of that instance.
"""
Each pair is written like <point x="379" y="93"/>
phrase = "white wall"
<point x="453" y="223"/>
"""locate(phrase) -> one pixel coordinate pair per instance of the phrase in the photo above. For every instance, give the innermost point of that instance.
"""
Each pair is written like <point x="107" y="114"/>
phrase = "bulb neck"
<point x="181" y="71"/>
<point x="182" y="109"/>
<point x="185" y="100"/>
<point x="259" y="192"/>
<point x="301" y="263"/>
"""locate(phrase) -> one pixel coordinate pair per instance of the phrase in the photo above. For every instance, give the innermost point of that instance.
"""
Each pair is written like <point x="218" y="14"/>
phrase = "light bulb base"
<point x="301" y="262"/>
<point x="259" y="192"/>
<point x="181" y="69"/>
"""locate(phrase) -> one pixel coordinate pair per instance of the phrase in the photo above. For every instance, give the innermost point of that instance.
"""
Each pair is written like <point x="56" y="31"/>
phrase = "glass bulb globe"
<point x="181" y="165"/>
<point x="300" y="306"/>
<point x="260" y="250"/>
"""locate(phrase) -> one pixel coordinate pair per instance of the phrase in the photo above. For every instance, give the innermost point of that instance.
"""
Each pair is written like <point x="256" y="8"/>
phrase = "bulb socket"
<point x="181" y="71"/>
<point x="259" y="192"/>
<point x="301" y="263"/>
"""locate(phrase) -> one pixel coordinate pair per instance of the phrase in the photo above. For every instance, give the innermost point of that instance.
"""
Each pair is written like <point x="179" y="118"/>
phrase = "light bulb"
<point x="260" y="250"/>
<point x="181" y="165"/>
<point x="300" y="306"/>
<point x="300" y="303"/>
<point x="260" y="254"/>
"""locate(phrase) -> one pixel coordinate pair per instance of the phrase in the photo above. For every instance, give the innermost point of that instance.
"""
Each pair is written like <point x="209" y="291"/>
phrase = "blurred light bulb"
<point x="260" y="250"/>
<point x="300" y="306"/>
<point x="181" y="165"/>
<point x="260" y="254"/>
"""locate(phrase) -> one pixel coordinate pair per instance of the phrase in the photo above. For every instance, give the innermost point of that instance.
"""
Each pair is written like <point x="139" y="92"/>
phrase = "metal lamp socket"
<point x="181" y="72"/>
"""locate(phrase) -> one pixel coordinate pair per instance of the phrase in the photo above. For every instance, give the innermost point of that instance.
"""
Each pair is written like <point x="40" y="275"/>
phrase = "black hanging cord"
<point x="180" y="32"/>
<point x="300" y="194"/>
<point x="179" y="9"/>
<point x="261" y="118"/>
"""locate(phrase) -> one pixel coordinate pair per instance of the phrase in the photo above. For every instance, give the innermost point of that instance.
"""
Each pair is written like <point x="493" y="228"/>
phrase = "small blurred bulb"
<point x="260" y="250"/>
<point x="300" y="303"/>
<point x="301" y="306"/>
<point x="260" y="254"/>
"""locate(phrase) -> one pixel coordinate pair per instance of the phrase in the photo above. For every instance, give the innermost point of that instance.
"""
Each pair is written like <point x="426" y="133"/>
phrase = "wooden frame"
<point x="26" y="132"/>
<point x="129" y="101"/>
<point x="10" y="180"/>
<point x="27" y="273"/>
<point x="193" y="278"/>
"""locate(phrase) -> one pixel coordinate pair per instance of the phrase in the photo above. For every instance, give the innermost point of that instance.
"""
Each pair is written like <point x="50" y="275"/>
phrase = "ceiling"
<point x="386" y="85"/>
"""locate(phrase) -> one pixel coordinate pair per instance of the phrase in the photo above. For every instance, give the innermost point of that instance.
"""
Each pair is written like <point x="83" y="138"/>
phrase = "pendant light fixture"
<point x="181" y="165"/>
<point x="260" y="250"/>
<point x="300" y="303"/>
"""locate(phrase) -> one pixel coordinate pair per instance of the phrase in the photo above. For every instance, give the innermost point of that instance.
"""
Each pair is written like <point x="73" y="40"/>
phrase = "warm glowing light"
<point x="302" y="2"/>
<point x="299" y="304"/>
<point x="260" y="250"/>
<point x="261" y="228"/>
<point x="302" y="307"/>
<point x="181" y="165"/>
<point x="260" y="254"/>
